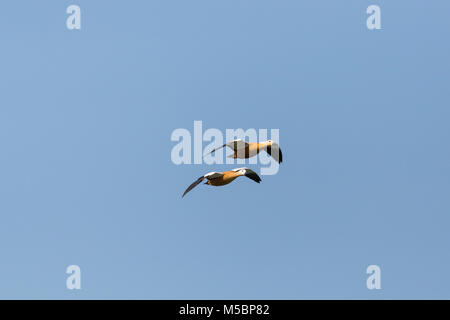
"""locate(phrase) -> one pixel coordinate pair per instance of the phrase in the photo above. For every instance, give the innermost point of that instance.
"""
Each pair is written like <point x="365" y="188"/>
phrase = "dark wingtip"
<point x="252" y="175"/>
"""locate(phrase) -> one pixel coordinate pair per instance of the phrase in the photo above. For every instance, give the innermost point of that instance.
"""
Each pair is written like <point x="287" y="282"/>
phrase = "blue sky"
<point x="86" y="176"/>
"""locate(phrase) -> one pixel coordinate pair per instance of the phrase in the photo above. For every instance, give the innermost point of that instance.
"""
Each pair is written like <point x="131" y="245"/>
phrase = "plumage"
<point x="245" y="150"/>
<point x="250" y="174"/>
<point x="224" y="178"/>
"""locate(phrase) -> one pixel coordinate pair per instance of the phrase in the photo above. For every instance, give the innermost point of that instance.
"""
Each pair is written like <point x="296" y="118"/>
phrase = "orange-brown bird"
<point x="223" y="178"/>
<point x="244" y="150"/>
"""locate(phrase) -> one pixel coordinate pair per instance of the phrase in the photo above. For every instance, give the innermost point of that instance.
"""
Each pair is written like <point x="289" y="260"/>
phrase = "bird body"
<point x="245" y="150"/>
<point x="224" y="178"/>
<point x="251" y="149"/>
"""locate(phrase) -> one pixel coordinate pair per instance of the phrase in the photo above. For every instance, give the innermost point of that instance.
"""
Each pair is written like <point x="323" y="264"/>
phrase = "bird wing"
<point x="252" y="175"/>
<point x="213" y="150"/>
<point x="275" y="152"/>
<point x="209" y="176"/>
<point x="249" y="173"/>
<point x="193" y="185"/>
<point x="213" y="175"/>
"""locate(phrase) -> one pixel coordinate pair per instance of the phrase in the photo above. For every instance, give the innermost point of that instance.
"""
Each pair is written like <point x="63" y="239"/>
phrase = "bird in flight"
<point x="223" y="178"/>
<point x="244" y="150"/>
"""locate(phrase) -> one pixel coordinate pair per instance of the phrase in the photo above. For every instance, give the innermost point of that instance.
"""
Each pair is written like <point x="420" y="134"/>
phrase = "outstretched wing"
<point x="249" y="173"/>
<point x="213" y="175"/>
<point x="193" y="185"/>
<point x="275" y="152"/>
<point x="209" y="176"/>
<point x="214" y="150"/>
<point x="252" y="175"/>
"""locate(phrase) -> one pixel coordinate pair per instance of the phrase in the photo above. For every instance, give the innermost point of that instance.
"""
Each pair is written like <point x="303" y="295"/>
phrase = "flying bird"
<point x="244" y="150"/>
<point x="223" y="178"/>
